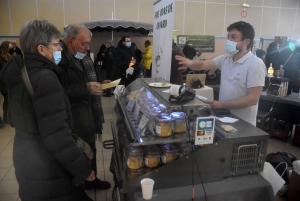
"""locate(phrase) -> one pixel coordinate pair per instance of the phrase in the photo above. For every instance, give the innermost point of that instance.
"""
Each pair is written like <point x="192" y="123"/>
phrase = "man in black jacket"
<point x="108" y="63"/>
<point x="124" y="56"/>
<point x="83" y="90"/>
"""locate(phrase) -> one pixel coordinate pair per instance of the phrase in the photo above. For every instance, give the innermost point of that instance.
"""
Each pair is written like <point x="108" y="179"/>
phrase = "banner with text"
<point x="202" y="43"/>
<point x="162" y="38"/>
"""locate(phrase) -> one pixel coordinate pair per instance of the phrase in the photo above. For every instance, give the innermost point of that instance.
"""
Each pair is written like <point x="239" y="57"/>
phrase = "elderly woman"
<point x="48" y="164"/>
<point x="6" y="52"/>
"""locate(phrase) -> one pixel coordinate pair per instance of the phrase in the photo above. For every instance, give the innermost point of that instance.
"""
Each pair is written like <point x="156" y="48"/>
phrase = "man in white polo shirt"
<point x="243" y="74"/>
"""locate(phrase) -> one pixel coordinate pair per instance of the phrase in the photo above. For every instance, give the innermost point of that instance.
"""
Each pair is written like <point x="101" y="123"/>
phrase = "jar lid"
<point x="151" y="149"/>
<point x="162" y="106"/>
<point x="134" y="151"/>
<point x="163" y="117"/>
<point x="177" y="115"/>
<point x="169" y="148"/>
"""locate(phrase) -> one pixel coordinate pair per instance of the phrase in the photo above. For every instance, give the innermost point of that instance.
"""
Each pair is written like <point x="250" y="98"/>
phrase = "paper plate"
<point x="158" y="84"/>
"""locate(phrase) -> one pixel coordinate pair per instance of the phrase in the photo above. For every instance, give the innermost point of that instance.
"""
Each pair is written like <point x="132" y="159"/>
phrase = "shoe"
<point x="96" y="184"/>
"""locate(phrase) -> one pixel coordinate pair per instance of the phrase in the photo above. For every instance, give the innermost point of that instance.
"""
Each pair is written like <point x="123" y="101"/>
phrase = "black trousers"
<point x="90" y="139"/>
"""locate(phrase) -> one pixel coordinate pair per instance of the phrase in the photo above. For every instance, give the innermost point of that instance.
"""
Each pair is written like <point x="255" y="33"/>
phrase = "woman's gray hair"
<point x="37" y="32"/>
<point x="73" y="30"/>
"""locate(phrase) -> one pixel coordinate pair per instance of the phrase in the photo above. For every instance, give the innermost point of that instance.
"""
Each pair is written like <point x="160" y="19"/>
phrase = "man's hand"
<point x="94" y="88"/>
<point x="106" y="81"/>
<point x="129" y="71"/>
<point x="215" y="104"/>
<point x="184" y="62"/>
<point x="91" y="177"/>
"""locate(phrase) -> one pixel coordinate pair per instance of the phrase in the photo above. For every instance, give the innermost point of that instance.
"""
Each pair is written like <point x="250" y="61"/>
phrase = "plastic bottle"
<point x="270" y="71"/>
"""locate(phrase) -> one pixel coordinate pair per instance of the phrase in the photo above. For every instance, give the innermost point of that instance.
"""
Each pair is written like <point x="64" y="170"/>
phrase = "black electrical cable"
<point x="193" y="154"/>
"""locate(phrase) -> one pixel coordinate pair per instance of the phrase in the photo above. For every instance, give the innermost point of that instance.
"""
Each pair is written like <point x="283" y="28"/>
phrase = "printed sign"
<point x="203" y="43"/>
<point x="130" y="104"/>
<point x="205" y="130"/>
<point x="244" y="14"/>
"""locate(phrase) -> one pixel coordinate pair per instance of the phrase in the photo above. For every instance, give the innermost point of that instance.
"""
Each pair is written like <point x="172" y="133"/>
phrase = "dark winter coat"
<point x="74" y="81"/>
<point x="3" y="87"/>
<point x="108" y="60"/>
<point x="46" y="159"/>
<point x="122" y="58"/>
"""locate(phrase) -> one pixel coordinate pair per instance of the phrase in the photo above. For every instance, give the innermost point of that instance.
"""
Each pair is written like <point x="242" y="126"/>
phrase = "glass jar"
<point x="134" y="157"/>
<point x="185" y="148"/>
<point x="163" y="125"/>
<point x="169" y="153"/>
<point x="178" y="119"/>
<point x="132" y="174"/>
<point x="152" y="156"/>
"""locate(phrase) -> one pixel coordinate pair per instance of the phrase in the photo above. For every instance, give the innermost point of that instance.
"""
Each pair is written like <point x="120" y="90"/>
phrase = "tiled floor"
<point x="9" y="185"/>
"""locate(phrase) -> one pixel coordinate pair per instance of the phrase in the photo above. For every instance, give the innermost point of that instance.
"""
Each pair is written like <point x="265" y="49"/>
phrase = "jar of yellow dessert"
<point x="132" y="174"/>
<point x="134" y="157"/>
<point x="178" y="119"/>
<point x="152" y="156"/>
<point x="169" y="153"/>
<point x="163" y="125"/>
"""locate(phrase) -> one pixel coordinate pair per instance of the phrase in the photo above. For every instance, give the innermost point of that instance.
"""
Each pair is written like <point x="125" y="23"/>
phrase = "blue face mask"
<point x="128" y="44"/>
<point x="57" y="57"/>
<point x="80" y="55"/>
<point x="231" y="47"/>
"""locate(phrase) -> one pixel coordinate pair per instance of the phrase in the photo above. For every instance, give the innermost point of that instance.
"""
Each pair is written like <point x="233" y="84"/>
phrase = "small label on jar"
<point x="146" y="161"/>
<point x="128" y="162"/>
<point x="158" y="129"/>
<point x="164" y="159"/>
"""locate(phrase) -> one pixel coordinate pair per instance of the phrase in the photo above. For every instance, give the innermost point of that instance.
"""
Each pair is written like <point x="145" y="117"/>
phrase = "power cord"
<point x="279" y="88"/>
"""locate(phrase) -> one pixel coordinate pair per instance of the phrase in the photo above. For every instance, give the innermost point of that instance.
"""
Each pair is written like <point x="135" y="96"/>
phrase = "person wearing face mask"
<point x="243" y="74"/>
<point x="6" y="52"/>
<point x="122" y="59"/>
<point x="83" y="89"/>
<point x="48" y="164"/>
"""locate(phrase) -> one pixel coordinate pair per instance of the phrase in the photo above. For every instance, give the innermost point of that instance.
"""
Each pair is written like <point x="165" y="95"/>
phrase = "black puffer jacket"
<point x="48" y="164"/>
<point x="122" y="58"/>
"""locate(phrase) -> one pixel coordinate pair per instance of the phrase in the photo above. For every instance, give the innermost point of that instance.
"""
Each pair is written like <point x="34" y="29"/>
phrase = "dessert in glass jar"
<point x="185" y="148"/>
<point x="163" y="125"/>
<point x="132" y="174"/>
<point x="134" y="157"/>
<point x="169" y="153"/>
<point x="152" y="156"/>
<point x="178" y="119"/>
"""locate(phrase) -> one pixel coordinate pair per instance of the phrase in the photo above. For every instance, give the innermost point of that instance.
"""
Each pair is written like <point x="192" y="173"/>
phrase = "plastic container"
<point x="179" y="123"/>
<point x="134" y="157"/>
<point x="163" y="125"/>
<point x="169" y="153"/>
<point x="152" y="156"/>
<point x="132" y="174"/>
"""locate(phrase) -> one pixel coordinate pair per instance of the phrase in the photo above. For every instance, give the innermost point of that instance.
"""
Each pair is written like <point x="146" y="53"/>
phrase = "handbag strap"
<point x="26" y="80"/>
<point x="287" y="60"/>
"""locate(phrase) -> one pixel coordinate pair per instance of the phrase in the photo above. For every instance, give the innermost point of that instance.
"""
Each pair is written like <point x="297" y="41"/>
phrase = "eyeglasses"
<point x="57" y="45"/>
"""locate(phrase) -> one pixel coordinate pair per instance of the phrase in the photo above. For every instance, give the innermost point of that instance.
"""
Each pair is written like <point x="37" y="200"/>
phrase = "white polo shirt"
<point x="236" y="77"/>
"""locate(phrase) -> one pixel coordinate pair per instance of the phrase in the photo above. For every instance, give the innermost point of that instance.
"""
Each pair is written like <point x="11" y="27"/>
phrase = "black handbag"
<point x="79" y="141"/>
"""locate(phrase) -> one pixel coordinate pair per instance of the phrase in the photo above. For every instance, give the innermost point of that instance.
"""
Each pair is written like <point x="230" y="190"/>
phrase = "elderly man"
<point x="243" y="74"/>
<point x="83" y="90"/>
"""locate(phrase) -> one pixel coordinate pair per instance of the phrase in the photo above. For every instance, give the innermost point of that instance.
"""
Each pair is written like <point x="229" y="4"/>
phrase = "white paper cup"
<point x="147" y="188"/>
